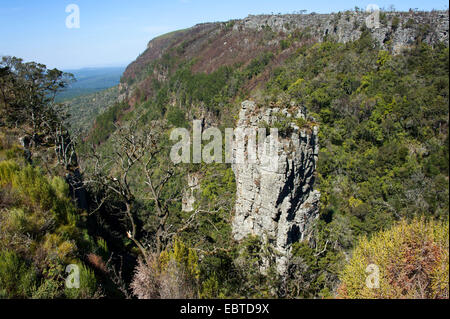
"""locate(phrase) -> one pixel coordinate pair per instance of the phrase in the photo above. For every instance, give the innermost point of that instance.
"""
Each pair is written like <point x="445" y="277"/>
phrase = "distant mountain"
<point x="91" y="80"/>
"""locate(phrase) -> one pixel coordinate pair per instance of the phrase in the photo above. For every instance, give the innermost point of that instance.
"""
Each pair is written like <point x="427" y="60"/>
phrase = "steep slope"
<point x="379" y="98"/>
<point x="212" y="45"/>
<point x="85" y="109"/>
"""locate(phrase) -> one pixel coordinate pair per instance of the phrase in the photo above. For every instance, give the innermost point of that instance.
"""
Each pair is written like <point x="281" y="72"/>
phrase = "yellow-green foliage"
<point x="296" y="87"/>
<point x="184" y="256"/>
<point x="413" y="262"/>
<point x="17" y="279"/>
<point x="39" y="193"/>
<point x="40" y="236"/>
<point x="172" y="274"/>
<point x="9" y="148"/>
<point x="210" y="288"/>
<point x="38" y="205"/>
<point x="16" y="151"/>
<point x="58" y="247"/>
<point x="88" y="285"/>
<point x="7" y="171"/>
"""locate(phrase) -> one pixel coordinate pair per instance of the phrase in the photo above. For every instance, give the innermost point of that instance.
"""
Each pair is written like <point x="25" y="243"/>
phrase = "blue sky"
<point x="115" y="32"/>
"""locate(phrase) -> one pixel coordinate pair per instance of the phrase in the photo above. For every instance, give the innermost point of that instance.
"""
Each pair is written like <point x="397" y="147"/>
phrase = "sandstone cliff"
<point x="211" y="45"/>
<point x="277" y="202"/>
<point x="395" y="29"/>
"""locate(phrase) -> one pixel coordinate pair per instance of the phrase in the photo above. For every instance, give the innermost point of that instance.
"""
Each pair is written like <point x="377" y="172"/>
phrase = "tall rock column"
<point x="277" y="202"/>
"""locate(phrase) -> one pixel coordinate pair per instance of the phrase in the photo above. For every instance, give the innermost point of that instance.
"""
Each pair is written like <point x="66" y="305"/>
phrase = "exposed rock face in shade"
<point x="188" y="199"/>
<point x="277" y="202"/>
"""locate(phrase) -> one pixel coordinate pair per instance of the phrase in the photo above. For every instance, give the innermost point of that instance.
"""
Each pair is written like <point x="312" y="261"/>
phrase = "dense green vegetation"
<point x="384" y="150"/>
<point x="105" y="122"/>
<point x="85" y="109"/>
<point x="383" y="135"/>
<point x="383" y="162"/>
<point x="40" y="233"/>
<point x="383" y="122"/>
<point x="184" y="92"/>
<point x="43" y="228"/>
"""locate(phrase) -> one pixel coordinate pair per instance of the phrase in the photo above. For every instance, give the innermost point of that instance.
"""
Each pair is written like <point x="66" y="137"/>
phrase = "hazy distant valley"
<point x="91" y="80"/>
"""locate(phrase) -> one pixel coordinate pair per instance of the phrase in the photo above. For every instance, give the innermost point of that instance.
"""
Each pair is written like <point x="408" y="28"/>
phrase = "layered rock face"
<point x="277" y="201"/>
<point x="212" y="45"/>
<point x="399" y="29"/>
<point x="188" y="200"/>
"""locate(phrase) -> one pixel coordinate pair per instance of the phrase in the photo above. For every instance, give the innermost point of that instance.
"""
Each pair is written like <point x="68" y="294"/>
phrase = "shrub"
<point x="7" y="171"/>
<point x="39" y="236"/>
<point x="256" y="66"/>
<point x="176" y="117"/>
<point x="16" y="151"/>
<point x="412" y="258"/>
<point x="284" y="44"/>
<point x="173" y="274"/>
<point x="17" y="280"/>
<point x="88" y="285"/>
<point x="395" y="23"/>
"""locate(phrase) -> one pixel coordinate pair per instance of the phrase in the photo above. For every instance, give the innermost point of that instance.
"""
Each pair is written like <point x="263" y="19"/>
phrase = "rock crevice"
<point x="396" y="29"/>
<point x="277" y="202"/>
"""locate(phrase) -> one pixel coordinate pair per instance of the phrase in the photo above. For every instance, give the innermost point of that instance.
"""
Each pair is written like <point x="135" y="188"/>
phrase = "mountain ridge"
<point x="218" y="39"/>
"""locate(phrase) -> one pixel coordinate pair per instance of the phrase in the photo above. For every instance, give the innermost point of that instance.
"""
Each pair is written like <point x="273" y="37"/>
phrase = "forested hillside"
<point x="84" y="109"/>
<point x="378" y="98"/>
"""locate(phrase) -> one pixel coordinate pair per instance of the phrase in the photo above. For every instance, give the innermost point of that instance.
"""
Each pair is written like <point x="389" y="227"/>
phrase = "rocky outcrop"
<point x="212" y="45"/>
<point x="277" y="202"/>
<point x="395" y="29"/>
<point x="188" y="199"/>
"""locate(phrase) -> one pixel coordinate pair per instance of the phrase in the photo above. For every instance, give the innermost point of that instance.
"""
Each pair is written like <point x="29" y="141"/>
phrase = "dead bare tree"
<point x="135" y="168"/>
<point x="115" y="274"/>
<point x="157" y="184"/>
